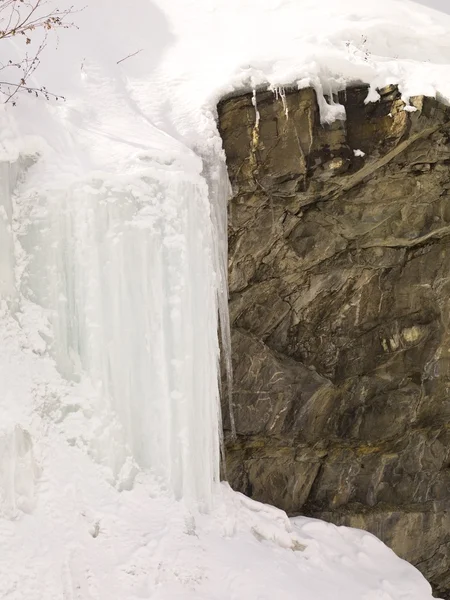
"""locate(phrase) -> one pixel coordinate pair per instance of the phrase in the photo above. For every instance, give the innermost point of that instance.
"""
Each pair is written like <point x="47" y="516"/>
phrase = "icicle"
<point x="257" y="115"/>
<point x="216" y="174"/>
<point x="282" y="94"/>
<point x="7" y="258"/>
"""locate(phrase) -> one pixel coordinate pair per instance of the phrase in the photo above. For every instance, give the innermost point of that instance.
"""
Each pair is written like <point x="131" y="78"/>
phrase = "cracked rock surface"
<point x="339" y="266"/>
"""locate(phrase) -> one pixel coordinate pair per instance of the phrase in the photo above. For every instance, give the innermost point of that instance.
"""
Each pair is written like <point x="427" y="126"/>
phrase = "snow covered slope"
<point x="112" y="271"/>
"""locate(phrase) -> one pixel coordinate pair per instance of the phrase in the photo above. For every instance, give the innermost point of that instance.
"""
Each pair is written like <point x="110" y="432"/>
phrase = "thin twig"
<point x="30" y="90"/>
<point x="129" y="56"/>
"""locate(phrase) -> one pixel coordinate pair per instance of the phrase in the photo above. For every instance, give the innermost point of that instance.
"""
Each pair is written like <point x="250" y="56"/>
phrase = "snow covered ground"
<point x="112" y="260"/>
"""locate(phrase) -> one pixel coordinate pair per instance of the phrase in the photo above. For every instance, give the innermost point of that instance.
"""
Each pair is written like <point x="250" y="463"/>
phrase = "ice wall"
<point x="124" y="267"/>
<point x="219" y="193"/>
<point x="8" y="176"/>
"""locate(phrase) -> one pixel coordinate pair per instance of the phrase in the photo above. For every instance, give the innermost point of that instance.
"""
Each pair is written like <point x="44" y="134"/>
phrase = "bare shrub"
<point x="29" y="23"/>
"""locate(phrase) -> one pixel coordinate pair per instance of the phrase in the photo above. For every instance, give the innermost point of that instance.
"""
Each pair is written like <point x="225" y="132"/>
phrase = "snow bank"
<point x="112" y="272"/>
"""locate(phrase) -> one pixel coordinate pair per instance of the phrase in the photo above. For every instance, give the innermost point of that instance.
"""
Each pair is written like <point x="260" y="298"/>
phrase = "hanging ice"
<point x="8" y="174"/>
<point x="125" y="267"/>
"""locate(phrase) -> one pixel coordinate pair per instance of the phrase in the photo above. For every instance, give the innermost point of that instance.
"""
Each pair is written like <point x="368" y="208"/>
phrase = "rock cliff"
<point x="339" y="266"/>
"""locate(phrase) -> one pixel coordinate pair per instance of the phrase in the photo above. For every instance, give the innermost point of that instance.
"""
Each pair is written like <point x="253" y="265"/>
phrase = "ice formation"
<point x="123" y="269"/>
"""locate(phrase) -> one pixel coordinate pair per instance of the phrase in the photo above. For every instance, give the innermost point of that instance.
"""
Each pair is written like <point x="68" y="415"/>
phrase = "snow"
<point x="112" y="281"/>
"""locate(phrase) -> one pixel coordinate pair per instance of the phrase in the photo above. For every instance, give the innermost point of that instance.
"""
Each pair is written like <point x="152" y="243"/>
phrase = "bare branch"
<point x="25" y="18"/>
<point x="42" y="91"/>
<point x="129" y="56"/>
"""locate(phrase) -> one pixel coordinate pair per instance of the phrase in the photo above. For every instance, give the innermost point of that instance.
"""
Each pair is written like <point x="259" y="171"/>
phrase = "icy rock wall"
<point x="124" y="268"/>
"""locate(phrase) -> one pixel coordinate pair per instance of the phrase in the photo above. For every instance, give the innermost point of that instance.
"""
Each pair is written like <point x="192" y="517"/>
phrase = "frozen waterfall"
<point x="126" y="270"/>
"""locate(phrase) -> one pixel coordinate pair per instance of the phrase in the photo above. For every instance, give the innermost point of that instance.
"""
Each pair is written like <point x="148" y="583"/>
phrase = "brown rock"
<point x="339" y="264"/>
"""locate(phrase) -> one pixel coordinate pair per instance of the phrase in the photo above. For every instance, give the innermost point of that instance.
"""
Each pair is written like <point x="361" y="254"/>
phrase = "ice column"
<point x="8" y="175"/>
<point x="126" y="268"/>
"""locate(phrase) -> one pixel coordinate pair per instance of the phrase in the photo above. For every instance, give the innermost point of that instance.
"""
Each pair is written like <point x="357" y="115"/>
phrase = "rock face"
<point x="339" y="265"/>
